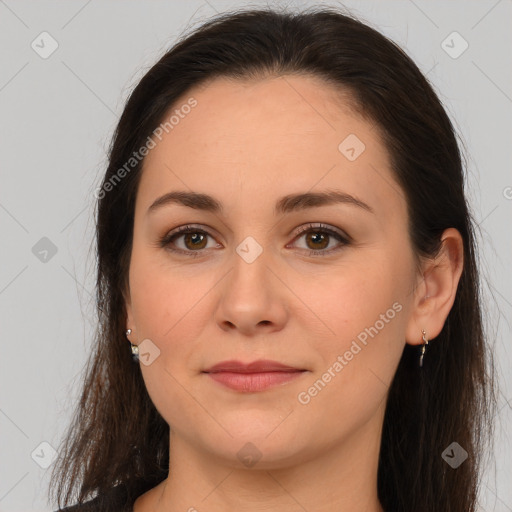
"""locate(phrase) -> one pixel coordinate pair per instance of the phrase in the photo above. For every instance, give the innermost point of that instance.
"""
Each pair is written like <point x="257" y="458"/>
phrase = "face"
<point x="320" y="286"/>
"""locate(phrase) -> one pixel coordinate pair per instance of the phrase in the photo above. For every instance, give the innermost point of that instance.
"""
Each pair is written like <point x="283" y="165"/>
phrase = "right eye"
<point x="193" y="240"/>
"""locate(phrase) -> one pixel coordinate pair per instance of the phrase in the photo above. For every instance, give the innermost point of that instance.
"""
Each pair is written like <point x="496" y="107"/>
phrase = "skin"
<point x="248" y="143"/>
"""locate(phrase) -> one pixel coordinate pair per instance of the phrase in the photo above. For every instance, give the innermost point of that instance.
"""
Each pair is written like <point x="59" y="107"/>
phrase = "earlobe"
<point x="437" y="290"/>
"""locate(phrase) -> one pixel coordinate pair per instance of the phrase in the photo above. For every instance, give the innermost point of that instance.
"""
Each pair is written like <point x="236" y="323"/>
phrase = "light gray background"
<point x="57" y="116"/>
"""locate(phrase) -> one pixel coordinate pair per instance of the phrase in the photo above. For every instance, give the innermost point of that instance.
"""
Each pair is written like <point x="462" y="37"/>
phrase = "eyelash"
<point x="166" y="240"/>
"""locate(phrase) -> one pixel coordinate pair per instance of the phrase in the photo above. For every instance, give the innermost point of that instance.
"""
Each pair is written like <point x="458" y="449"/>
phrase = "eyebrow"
<point x="287" y="204"/>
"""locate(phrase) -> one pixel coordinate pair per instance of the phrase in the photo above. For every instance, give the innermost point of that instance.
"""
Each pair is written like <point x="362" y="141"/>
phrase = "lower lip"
<point x="251" y="382"/>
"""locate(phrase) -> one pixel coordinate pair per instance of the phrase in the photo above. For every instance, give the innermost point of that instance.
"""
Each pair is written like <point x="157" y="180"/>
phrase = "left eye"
<point x="320" y="238"/>
<point x="195" y="240"/>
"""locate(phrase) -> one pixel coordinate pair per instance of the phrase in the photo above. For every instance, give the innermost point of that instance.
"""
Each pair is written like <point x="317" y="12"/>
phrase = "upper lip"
<point x="262" y="365"/>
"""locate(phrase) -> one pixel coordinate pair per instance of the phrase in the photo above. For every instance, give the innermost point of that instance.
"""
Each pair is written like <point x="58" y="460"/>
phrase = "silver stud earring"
<point x="423" y="347"/>
<point x="135" y="348"/>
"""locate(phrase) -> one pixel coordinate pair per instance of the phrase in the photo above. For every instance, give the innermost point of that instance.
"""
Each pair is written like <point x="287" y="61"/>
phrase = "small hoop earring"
<point x="423" y="347"/>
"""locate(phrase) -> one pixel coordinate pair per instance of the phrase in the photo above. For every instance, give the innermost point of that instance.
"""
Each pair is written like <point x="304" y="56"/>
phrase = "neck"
<point x="341" y="478"/>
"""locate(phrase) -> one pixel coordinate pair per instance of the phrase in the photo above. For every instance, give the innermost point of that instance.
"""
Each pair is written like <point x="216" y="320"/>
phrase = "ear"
<point x="435" y="293"/>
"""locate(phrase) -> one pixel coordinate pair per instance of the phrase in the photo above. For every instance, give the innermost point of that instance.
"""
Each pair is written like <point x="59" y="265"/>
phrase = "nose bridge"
<point x="251" y="263"/>
<point x="252" y="260"/>
<point x="252" y="229"/>
<point x="255" y="258"/>
<point x="249" y="298"/>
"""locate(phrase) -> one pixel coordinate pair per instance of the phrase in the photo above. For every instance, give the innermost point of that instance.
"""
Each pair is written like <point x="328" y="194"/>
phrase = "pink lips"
<point x="252" y="377"/>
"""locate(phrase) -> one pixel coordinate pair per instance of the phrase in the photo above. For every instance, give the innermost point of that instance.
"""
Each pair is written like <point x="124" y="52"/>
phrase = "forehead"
<point x="255" y="139"/>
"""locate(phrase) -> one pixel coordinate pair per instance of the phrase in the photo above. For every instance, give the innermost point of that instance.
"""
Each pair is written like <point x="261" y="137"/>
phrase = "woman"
<point x="286" y="251"/>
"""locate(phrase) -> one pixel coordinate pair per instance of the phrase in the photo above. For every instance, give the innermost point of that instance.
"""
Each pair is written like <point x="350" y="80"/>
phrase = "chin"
<point x="258" y="445"/>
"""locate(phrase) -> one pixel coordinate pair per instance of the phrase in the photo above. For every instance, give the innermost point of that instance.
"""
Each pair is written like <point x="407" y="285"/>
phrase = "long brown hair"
<point x="118" y="437"/>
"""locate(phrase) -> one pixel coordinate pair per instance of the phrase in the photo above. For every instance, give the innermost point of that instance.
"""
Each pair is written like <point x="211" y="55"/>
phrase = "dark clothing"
<point x="113" y="501"/>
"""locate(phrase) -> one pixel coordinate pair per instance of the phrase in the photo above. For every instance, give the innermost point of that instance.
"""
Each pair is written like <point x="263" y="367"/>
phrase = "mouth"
<point x="253" y="377"/>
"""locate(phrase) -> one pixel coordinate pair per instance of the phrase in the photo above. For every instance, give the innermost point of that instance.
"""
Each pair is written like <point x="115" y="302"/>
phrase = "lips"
<point x="261" y="366"/>
<point x="253" y="377"/>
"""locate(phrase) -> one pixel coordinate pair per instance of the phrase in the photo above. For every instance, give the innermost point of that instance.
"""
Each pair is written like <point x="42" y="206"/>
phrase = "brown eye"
<point x="318" y="238"/>
<point x="187" y="240"/>
<point x="196" y="240"/>
<point x="192" y="241"/>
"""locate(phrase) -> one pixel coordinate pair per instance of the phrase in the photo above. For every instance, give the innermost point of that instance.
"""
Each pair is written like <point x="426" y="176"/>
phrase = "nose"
<point x="252" y="298"/>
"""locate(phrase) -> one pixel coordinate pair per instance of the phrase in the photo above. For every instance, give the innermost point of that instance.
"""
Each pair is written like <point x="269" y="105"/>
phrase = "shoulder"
<point x="115" y="500"/>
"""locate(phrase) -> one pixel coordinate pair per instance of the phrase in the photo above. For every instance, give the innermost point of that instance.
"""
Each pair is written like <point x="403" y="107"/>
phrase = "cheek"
<point x="358" y="362"/>
<point x="168" y="309"/>
<point x="165" y="297"/>
<point x="365" y="309"/>
<point x="358" y="296"/>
